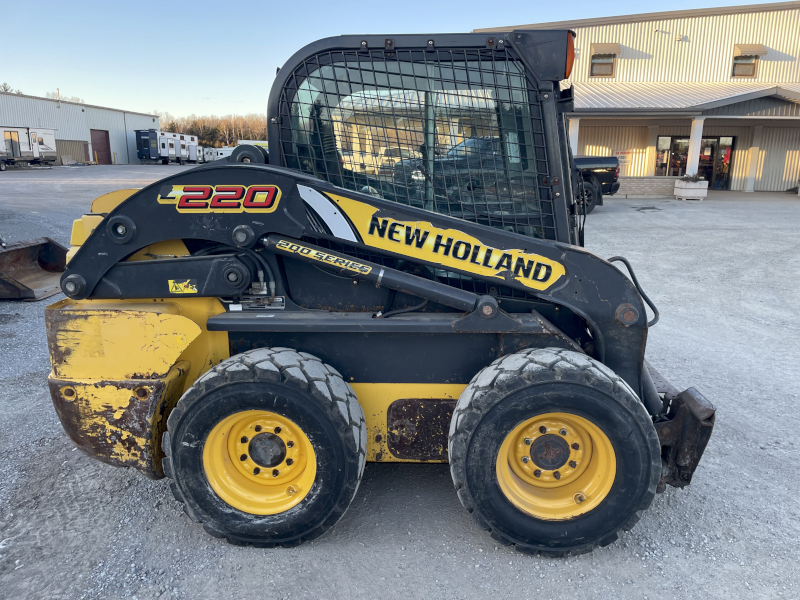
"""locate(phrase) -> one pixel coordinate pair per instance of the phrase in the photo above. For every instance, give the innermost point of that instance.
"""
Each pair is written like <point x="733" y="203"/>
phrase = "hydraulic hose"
<point x="638" y="288"/>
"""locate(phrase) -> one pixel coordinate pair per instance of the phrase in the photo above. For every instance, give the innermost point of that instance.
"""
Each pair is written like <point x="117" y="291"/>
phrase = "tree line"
<point x="212" y="130"/>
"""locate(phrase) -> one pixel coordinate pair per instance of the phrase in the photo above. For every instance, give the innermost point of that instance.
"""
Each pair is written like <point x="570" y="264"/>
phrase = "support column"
<point x="650" y="157"/>
<point x="695" y="139"/>
<point x="752" y="158"/>
<point x="574" y="123"/>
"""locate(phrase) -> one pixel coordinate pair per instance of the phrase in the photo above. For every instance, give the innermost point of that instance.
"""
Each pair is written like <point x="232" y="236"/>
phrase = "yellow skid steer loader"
<point x="258" y="329"/>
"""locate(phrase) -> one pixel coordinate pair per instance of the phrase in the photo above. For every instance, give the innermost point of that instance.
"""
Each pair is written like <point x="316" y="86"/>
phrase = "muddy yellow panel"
<point x="119" y="367"/>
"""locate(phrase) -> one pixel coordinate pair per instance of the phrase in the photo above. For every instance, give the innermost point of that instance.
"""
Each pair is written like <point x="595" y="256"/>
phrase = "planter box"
<point x="690" y="190"/>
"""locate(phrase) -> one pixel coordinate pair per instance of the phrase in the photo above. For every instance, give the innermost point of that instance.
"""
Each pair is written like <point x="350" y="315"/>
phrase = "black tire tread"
<point x="512" y="372"/>
<point x="297" y="369"/>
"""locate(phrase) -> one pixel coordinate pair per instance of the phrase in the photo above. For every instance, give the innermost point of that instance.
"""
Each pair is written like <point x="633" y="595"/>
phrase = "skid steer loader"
<point x="256" y="332"/>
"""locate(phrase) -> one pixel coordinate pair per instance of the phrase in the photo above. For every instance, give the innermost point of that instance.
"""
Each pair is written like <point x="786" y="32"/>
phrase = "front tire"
<point x="552" y="452"/>
<point x="267" y="448"/>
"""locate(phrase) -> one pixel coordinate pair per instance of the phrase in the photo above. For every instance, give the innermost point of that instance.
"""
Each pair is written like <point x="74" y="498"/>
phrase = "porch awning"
<point x="749" y="50"/>
<point x="614" y="49"/>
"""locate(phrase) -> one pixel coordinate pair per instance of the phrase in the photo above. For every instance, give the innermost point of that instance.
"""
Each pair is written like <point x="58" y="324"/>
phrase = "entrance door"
<point x="678" y="155"/>
<point x="722" y="165"/>
<point x="705" y="167"/>
<point x="34" y="145"/>
<point x="12" y="144"/>
<point x="714" y="163"/>
<point x="101" y="146"/>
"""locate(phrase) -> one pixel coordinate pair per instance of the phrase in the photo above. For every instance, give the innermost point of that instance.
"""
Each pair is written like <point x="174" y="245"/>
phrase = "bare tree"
<point x="56" y="96"/>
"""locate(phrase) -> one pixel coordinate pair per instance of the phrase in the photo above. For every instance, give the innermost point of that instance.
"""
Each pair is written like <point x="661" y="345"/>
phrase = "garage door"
<point x="101" y="146"/>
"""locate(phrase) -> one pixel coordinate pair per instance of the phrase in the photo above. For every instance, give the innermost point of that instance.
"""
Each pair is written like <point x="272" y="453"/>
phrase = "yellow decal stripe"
<point x="320" y="256"/>
<point x="450" y="248"/>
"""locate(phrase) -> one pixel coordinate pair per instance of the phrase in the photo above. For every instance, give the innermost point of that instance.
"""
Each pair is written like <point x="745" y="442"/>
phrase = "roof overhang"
<point x="749" y="50"/>
<point x="614" y="49"/>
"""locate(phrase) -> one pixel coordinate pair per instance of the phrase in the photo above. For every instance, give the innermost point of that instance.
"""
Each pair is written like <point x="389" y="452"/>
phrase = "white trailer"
<point x="27" y="145"/>
<point x="210" y="154"/>
<point x="153" y="145"/>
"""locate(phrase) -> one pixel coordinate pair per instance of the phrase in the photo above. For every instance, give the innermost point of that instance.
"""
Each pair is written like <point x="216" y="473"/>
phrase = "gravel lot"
<point x="724" y="274"/>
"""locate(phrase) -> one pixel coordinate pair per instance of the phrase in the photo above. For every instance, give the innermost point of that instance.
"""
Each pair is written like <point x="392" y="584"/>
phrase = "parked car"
<point x="473" y="155"/>
<point x="600" y="178"/>
<point x="381" y="163"/>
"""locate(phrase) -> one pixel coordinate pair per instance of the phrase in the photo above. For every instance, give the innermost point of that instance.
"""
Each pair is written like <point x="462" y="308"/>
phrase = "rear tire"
<point x="501" y="470"/>
<point x="2" y="165"/>
<point x="247" y="153"/>
<point x="295" y="493"/>
<point x="592" y="195"/>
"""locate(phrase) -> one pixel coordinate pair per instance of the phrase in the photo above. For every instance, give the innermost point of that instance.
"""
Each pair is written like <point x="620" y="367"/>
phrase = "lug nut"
<point x="256" y="471"/>
<point x="243" y="457"/>
<point x="573" y="464"/>
<point x="290" y="490"/>
<point x="576" y="446"/>
<point x="542" y="429"/>
<point x="275" y="472"/>
<point x="579" y="498"/>
<point x="289" y="462"/>
<point x="557" y="475"/>
<point x="277" y="430"/>
<point x="563" y="432"/>
<point x="290" y="444"/>
<point x="244" y="439"/>
<point x="537" y="473"/>
<point x="258" y="427"/>
<point x="525" y="459"/>
<point x="527" y="441"/>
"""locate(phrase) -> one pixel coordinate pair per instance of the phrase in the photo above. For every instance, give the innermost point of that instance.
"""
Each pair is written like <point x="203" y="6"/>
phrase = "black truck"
<point x="600" y="177"/>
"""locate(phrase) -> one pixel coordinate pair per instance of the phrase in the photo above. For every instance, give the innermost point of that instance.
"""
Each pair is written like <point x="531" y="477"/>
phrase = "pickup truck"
<point x="600" y="177"/>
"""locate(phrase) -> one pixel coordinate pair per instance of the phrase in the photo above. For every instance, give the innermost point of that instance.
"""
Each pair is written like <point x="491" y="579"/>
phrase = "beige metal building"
<point x="83" y="131"/>
<point x="714" y="91"/>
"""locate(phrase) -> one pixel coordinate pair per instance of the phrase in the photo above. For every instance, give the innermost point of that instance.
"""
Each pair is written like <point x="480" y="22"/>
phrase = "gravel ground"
<point x="724" y="274"/>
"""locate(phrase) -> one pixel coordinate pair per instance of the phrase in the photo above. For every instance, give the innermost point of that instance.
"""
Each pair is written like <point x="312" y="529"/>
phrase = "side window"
<point x="460" y="128"/>
<point x="603" y="65"/>
<point x="745" y="66"/>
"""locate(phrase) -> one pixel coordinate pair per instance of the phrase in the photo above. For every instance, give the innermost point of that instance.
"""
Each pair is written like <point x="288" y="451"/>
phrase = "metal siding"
<point x="67" y="119"/>
<point x="768" y="106"/>
<point x="650" y="52"/>
<point x="132" y="123"/>
<point x="113" y="122"/>
<point x="778" y="160"/>
<point x="605" y="140"/>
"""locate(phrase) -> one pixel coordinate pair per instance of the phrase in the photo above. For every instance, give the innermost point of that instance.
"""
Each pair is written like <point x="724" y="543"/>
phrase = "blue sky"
<point x="220" y="57"/>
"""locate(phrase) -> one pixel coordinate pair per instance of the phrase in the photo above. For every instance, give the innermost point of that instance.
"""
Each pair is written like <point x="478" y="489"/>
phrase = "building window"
<point x="745" y="66"/>
<point x="603" y="65"/>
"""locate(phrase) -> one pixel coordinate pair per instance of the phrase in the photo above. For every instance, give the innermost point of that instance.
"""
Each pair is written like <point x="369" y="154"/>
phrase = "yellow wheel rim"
<point x="556" y="466"/>
<point x="259" y="462"/>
